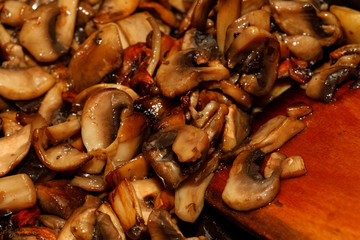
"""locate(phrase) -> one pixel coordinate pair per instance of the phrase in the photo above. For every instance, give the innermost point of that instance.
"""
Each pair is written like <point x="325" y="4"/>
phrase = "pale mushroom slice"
<point x="17" y="193"/>
<point x="97" y="56"/>
<point x="65" y="22"/>
<point x="229" y="10"/>
<point x="304" y="47"/>
<point x="24" y="83"/>
<point x="111" y="10"/>
<point x="10" y="123"/>
<point x="14" y="148"/>
<point x="236" y="129"/>
<point x="350" y="22"/>
<point x="255" y="55"/>
<point x="61" y="132"/>
<point x="52" y="102"/>
<point x="37" y="27"/>
<point x="189" y="198"/>
<point x="246" y="188"/>
<point x="190" y="195"/>
<point x="101" y="117"/>
<point x="275" y="132"/>
<point x="176" y="152"/>
<point x="185" y="69"/>
<point x="61" y="157"/>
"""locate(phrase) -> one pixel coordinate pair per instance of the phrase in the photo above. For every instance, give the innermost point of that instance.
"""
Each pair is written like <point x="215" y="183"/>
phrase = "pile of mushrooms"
<point x="117" y="114"/>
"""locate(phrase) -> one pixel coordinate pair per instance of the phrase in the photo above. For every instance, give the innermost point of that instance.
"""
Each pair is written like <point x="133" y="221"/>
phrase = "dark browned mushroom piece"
<point x="302" y="18"/>
<point x="201" y="13"/>
<point x="246" y="188"/>
<point x="185" y="69"/>
<point x="328" y="77"/>
<point x="255" y="55"/>
<point x="176" y="152"/>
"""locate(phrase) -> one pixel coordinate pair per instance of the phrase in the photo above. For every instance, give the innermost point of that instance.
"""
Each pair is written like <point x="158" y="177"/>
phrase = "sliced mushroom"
<point x="104" y="50"/>
<point x="65" y="23"/>
<point x="274" y="133"/>
<point x="62" y="157"/>
<point x="24" y="84"/>
<point x="298" y="110"/>
<point x="246" y="188"/>
<point x="164" y="13"/>
<point x="241" y="97"/>
<point x="189" y="198"/>
<point x="201" y="13"/>
<point x="248" y="6"/>
<point x="302" y="18"/>
<point x="17" y="193"/>
<point x="51" y="221"/>
<point x="257" y="18"/>
<point x="106" y="208"/>
<point x="236" y="128"/>
<point x="132" y="131"/>
<point x="80" y="99"/>
<point x="135" y="169"/>
<point x="293" y="166"/>
<point x="14" y="148"/>
<point x="147" y="190"/>
<point x="273" y="163"/>
<point x="350" y="22"/>
<point x="192" y="66"/>
<point x="14" y="13"/>
<point x="255" y="54"/>
<point x="59" y="198"/>
<point x="63" y="131"/>
<point x="194" y="38"/>
<point x="323" y="83"/>
<point x="229" y="10"/>
<point x="304" y="47"/>
<point x="215" y="125"/>
<point x="127" y="207"/>
<point x="10" y="123"/>
<point x="104" y="228"/>
<point x="89" y="182"/>
<point x="37" y="232"/>
<point x="111" y="11"/>
<point x="52" y="102"/>
<point x="162" y="227"/>
<point x="176" y="152"/>
<point x="81" y="223"/>
<point x="37" y="26"/>
<point x="101" y="115"/>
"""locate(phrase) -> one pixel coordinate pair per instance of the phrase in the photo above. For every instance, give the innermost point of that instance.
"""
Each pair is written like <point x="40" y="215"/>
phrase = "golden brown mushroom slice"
<point x="97" y="56"/>
<point x="14" y="13"/>
<point x="14" y="148"/>
<point x="274" y="133"/>
<point x="111" y="10"/>
<point x="24" y="83"/>
<point x="246" y="188"/>
<point x="185" y="69"/>
<point x="37" y="28"/>
<point x="61" y="157"/>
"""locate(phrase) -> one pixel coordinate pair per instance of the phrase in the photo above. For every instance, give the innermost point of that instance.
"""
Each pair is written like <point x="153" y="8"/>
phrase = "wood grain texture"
<point x="324" y="203"/>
